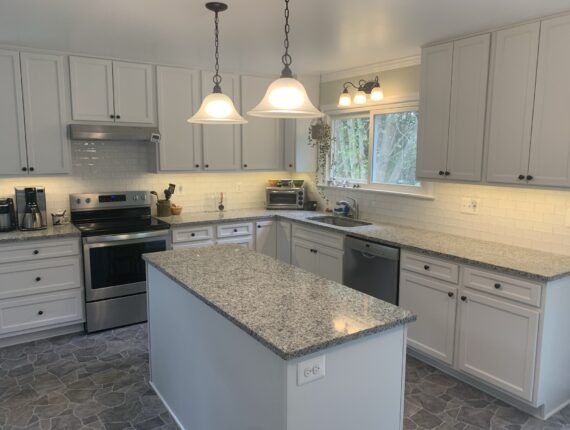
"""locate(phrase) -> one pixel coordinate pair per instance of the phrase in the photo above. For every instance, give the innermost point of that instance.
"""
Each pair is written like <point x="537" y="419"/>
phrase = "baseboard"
<point x="170" y="411"/>
<point x="17" y="339"/>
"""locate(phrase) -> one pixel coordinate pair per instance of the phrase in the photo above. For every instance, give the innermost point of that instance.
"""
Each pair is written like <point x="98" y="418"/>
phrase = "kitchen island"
<point x="241" y="341"/>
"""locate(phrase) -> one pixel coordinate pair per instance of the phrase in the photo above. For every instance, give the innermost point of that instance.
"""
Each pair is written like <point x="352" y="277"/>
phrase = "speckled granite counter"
<point x="290" y="311"/>
<point x="52" y="232"/>
<point x="528" y="263"/>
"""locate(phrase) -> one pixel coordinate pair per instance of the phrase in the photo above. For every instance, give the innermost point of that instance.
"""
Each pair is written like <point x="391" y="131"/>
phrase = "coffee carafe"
<point x="31" y="208"/>
<point x="7" y="215"/>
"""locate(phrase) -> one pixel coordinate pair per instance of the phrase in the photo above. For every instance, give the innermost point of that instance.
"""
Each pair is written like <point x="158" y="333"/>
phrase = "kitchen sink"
<point x="339" y="221"/>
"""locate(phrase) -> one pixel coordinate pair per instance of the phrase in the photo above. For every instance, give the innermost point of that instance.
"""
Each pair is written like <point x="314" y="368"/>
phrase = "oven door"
<point x="114" y="266"/>
<point x="281" y="199"/>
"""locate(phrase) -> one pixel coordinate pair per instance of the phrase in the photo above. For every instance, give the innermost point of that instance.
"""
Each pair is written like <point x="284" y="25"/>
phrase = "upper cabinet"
<point x="45" y="113"/>
<point x="511" y="99"/>
<point x="180" y="147"/>
<point x="452" y="109"/>
<point x="111" y="91"/>
<point x="222" y="143"/>
<point x="262" y="138"/>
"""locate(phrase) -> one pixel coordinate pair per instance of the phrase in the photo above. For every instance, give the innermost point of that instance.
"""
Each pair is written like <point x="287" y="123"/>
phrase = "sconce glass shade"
<point x="359" y="98"/>
<point x="377" y="94"/>
<point x="217" y="108"/>
<point x="345" y="99"/>
<point x="286" y="98"/>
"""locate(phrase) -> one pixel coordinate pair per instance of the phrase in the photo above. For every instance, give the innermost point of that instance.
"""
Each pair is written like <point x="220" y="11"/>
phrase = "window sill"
<point x="428" y="196"/>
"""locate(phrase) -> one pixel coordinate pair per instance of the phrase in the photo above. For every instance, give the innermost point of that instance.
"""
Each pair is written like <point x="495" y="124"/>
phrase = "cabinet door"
<point x="550" y="144"/>
<point x="266" y="238"/>
<point x="511" y="98"/>
<point x="133" y="86"/>
<point x="91" y="89"/>
<point x="329" y="263"/>
<point x="45" y="113"/>
<point x="222" y="143"/>
<point x="468" y="107"/>
<point x="435" y="303"/>
<point x="435" y="93"/>
<point x="262" y="138"/>
<point x="303" y="255"/>
<point x="284" y="232"/>
<point x="180" y="147"/>
<point x="13" y="138"/>
<point x="498" y="343"/>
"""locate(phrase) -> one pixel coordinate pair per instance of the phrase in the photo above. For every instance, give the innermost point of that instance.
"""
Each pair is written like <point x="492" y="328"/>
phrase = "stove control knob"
<point x="135" y="197"/>
<point x="144" y="196"/>
<point x="87" y="200"/>
<point x="78" y="201"/>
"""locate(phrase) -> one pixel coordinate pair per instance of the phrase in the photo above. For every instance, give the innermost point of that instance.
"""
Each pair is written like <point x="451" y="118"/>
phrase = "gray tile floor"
<point x="100" y="382"/>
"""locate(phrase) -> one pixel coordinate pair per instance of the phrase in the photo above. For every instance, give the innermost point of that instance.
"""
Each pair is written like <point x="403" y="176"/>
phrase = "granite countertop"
<point x="513" y="260"/>
<point x="52" y="232"/>
<point x="289" y="310"/>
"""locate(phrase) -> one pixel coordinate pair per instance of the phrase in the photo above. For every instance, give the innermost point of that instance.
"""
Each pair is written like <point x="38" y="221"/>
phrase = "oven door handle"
<point x="124" y="238"/>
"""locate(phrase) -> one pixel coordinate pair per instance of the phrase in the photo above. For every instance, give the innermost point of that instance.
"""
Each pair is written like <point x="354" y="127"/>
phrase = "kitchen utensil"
<point x="7" y="215"/>
<point x="221" y="203"/>
<point x="59" y="218"/>
<point x="169" y="191"/>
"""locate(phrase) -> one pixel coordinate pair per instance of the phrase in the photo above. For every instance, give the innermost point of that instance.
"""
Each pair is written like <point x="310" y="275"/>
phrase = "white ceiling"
<point x="327" y="35"/>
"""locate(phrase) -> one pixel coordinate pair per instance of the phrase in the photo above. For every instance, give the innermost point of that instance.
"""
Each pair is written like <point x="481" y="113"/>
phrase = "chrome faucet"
<point x="352" y="206"/>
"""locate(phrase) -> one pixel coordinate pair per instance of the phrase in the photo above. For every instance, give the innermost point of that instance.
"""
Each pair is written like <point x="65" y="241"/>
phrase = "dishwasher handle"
<point x="371" y="249"/>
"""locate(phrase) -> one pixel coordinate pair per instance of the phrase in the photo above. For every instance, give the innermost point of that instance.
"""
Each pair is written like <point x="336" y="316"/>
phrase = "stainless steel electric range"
<point x="117" y="229"/>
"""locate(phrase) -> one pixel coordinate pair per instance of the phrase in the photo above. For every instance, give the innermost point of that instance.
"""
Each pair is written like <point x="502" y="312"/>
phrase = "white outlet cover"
<point x="470" y="205"/>
<point x="310" y="370"/>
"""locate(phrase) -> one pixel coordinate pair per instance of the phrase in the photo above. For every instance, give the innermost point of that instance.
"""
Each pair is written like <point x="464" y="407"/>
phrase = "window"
<point x="377" y="151"/>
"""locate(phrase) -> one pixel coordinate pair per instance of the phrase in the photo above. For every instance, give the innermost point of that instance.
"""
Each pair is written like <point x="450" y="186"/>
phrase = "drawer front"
<point x="246" y="242"/>
<point x="235" y="230"/>
<point x="38" y="250"/>
<point x="193" y="234"/>
<point x="432" y="267"/>
<point x="515" y="289"/>
<point x="197" y="244"/>
<point x="41" y="311"/>
<point x="319" y="236"/>
<point x="18" y="279"/>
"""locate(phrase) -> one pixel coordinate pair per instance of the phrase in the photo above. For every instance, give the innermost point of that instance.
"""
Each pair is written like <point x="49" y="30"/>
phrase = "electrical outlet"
<point x="238" y="187"/>
<point x="469" y="205"/>
<point x="310" y="370"/>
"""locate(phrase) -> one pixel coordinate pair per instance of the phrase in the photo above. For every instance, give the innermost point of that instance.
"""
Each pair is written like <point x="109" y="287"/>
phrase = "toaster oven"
<point x="285" y="197"/>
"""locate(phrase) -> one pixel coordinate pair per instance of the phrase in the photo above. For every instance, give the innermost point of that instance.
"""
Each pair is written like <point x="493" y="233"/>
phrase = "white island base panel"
<point x="212" y="375"/>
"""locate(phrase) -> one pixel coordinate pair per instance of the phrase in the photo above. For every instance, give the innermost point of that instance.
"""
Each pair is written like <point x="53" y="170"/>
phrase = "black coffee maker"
<point x="8" y="220"/>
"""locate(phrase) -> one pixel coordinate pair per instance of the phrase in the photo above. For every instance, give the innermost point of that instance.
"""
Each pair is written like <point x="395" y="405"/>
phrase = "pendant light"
<point x="217" y="108"/>
<point x="286" y="97"/>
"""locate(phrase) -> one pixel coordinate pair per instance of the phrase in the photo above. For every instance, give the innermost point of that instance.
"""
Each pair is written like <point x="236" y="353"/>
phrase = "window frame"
<point x="424" y="190"/>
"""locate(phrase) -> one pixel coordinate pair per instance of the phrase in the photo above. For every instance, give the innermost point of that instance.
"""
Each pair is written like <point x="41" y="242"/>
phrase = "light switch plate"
<point x="469" y="205"/>
<point x="310" y="370"/>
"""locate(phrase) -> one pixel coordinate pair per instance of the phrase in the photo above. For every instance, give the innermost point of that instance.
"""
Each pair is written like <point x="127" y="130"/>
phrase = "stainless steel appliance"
<point x="115" y="133"/>
<point x="7" y="215"/>
<point x="285" y="197"/>
<point x="31" y="208"/>
<point x="372" y="268"/>
<point x="117" y="229"/>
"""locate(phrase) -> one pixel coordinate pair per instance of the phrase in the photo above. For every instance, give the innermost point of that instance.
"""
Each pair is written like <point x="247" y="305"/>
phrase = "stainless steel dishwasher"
<point x="371" y="268"/>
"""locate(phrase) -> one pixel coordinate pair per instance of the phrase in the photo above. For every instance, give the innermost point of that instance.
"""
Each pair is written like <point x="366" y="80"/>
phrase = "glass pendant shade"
<point x="217" y="108"/>
<point x="344" y="99"/>
<point x="377" y="94"/>
<point x="360" y="98"/>
<point x="286" y="98"/>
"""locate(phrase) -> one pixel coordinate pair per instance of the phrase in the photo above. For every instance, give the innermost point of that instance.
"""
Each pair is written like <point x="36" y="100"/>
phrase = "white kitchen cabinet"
<point x="13" y="137"/>
<point x="435" y="304"/>
<point x="222" y="143"/>
<point x="318" y="259"/>
<point x="246" y="241"/>
<point x="262" y="138"/>
<point x="45" y="113"/>
<point x="266" y="237"/>
<point x="113" y="91"/>
<point x="284" y="235"/>
<point x="498" y="343"/>
<point x="550" y="143"/>
<point x="452" y="109"/>
<point x="91" y="89"/>
<point x="180" y="147"/>
<point x="511" y="100"/>
<point x="304" y="255"/>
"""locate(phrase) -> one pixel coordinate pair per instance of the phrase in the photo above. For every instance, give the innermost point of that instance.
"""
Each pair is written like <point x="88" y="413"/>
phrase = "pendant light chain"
<point x="217" y="78"/>
<point x="286" y="59"/>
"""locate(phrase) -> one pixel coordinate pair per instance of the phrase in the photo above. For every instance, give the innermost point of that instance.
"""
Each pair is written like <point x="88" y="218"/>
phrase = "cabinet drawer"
<point x="19" y="279"/>
<point x="36" y="250"/>
<point x="246" y="242"/>
<point x="235" y="230"/>
<point x="193" y="234"/>
<point x="319" y="236"/>
<point x="196" y="244"/>
<point x="429" y="266"/>
<point x="515" y="289"/>
<point x="41" y="311"/>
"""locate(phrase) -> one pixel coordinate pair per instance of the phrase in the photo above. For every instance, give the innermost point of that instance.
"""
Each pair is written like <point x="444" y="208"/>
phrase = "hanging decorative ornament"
<point x="217" y="108"/>
<point x="286" y="97"/>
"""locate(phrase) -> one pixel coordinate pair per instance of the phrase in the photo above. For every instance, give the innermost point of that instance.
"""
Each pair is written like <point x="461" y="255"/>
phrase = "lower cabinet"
<point x="318" y="259"/>
<point x="283" y="237"/>
<point x="266" y="237"/>
<point x="435" y="303"/>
